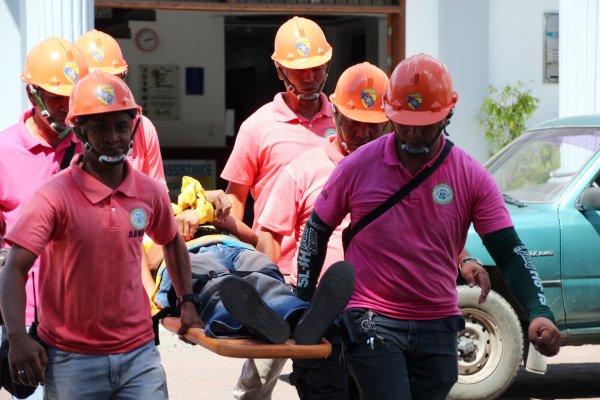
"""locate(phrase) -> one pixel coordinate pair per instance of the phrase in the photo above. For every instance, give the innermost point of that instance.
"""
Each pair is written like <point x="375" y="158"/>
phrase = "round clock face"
<point x="146" y="39"/>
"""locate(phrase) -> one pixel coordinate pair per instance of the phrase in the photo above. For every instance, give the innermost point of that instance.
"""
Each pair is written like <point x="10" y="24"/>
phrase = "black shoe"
<point x="243" y="302"/>
<point x="332" y="294"/>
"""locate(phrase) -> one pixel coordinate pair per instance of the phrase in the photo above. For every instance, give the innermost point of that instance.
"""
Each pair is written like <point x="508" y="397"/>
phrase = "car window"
<point x="540" y="164"/>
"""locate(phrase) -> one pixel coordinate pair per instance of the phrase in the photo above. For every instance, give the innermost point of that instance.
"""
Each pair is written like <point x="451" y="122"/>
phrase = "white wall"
<point x="517" y="49"/>
<point x="494" y="42"/>
<point x="23" y="24"/>
<point x="579" y="69"/>
<point x="13" y="100"/>
<point x="187" y="39"/>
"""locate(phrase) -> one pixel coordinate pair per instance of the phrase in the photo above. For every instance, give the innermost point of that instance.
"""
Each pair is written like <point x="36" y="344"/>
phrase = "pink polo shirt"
<point x="145" y="155"/>
<point x="25" y="165"/>
<point x="91" y="298"/>
<point x="269" y="140"/>
<point x="405" y="261"/>
<point x="293" y="197"/>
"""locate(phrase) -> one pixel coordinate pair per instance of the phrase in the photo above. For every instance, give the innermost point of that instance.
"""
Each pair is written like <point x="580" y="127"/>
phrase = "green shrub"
<point x="504" y="114"/>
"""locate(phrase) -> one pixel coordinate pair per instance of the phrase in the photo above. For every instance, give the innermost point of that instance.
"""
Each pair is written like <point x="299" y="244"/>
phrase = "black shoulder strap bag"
<point x="17" y="390"/>
<point x="350" y="232"/>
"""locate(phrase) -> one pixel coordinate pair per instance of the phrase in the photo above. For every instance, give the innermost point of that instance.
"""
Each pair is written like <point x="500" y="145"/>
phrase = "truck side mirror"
<point x="589" y="200"/>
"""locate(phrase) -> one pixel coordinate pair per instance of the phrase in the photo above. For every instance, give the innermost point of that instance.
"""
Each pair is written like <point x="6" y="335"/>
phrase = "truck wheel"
<point x="490" y="347"/>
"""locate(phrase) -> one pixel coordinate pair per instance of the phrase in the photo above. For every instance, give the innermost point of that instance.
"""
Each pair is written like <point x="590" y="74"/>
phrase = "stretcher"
<point x="250" y="348"/>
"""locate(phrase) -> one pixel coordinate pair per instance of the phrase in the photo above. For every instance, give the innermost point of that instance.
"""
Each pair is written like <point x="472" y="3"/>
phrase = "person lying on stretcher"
<point x="241" y="293"/>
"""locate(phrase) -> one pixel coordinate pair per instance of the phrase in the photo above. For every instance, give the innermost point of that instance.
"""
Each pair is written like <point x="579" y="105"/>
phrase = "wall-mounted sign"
<point x="194" y="80"/>
<point x="202" y="170"/>
<point x="160" y="91"/>
<point x="551" y="47"/>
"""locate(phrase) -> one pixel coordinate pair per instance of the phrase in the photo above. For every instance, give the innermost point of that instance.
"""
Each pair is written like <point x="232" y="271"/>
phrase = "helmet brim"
<point x="416" y="118"/>
<point x="366" y="116"/>
<point x="304" y="63"/>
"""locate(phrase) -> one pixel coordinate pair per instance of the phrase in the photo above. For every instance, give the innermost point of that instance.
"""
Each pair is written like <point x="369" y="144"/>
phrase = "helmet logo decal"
<point x="71" y="71"/>
<point x="442" y="194"/>
<point x="98" y="54"/>
<point x="329" y="132"/>
<point x="105" y="94"/>
<point x="138" y="218"/>
<point x="303" y="46"/>
<point x="414" y="101"/>
<point x="368" y="97"/>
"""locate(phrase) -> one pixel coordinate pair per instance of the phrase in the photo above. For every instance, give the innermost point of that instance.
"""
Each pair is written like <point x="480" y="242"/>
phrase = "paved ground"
<point x="194" y="373"/>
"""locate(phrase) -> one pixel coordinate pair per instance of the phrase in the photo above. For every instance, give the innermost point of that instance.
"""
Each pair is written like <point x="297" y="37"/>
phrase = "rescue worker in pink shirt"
<point x="94" y="315"/>
<point x="103" y="53"/>
<point x="358" y="112"/>
<point x="39" y="145"/>
<point x="296" y="120"/>
<point x="400" y="325"/>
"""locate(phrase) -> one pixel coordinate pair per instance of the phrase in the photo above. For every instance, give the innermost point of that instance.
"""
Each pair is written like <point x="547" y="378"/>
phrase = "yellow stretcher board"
<point x="250" y="348"/>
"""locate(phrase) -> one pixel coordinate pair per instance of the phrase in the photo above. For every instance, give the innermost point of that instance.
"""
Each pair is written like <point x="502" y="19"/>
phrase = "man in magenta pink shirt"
<point x="358" y="110"/>
<point x="103" y="53"/>
<point x="94" y="314"/>
<point x="401" y="323"/>
<point x="295" y="121"/>
<point x="39" y="145"/>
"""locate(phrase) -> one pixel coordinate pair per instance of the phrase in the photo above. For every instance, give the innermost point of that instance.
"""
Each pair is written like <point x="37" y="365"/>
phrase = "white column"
<point x="579" y="59"/>
<point x="24" y="23"/>
<point x="67" y="19"/>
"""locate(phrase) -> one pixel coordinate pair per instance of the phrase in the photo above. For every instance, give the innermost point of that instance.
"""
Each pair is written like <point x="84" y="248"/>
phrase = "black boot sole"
<point x="332" y="294"/>
<point x="243" y="302"/>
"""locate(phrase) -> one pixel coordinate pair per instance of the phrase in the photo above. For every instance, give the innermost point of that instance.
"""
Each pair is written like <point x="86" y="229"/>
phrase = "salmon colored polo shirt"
<point x="145" y="155"/>
<point x="405" y="260"/>
<point x="25" y="165"/>
<point x="268" y="141"/>
<point x="293" y="198"/>
<point x="91" y="298"/>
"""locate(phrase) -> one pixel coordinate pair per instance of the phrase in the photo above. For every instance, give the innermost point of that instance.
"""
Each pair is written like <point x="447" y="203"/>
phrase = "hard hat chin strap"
<point x="424" y="150"/>
<point x="292" y="89"/>
<point x="340" y="131"/>
<point x="61" y="131"/>
<point x="111" y="161"/>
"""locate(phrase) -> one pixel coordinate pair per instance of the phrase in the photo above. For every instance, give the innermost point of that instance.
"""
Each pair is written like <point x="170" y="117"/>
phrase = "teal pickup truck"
<point x="550" y="179"/>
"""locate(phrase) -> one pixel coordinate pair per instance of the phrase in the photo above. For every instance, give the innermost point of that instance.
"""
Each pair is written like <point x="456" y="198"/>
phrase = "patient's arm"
<point x="269" y="243"/>
<point x="238" y="229"/>
<point x="147" y="279"/>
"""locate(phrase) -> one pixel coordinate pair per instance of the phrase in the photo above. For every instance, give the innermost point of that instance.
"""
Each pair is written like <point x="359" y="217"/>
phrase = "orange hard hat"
<point x="99" y="93"/>
<point x="300" y="44"/>
<point x="359" y="93"/>
<point x="54" y="65"/>
<point x="102" y="52"/>
<point x="420" y="92"/>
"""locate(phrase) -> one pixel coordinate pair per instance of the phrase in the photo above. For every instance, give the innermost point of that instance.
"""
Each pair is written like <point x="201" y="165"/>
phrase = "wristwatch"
<point x="471" y="259"/>
<point x="193" y="297"/>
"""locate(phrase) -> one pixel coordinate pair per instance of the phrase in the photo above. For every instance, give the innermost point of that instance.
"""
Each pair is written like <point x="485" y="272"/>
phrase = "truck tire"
<point x="490" y="347"/>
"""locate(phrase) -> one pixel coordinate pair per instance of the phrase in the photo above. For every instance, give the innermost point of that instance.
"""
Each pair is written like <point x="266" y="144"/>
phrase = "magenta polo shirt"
<point x="25" y="165"/>
<point x="405" y="261"/>
<point x="269" y="140"/>
<point x="91" y="298"/>
<point x="293" y="198"/>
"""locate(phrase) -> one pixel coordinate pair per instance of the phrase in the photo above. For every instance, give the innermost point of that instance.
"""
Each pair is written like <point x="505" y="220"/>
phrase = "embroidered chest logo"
<point x="303" y="46"/>
<point x="329" y="132"/>
<point x="138" y="218"/>
<point x="442" y="194"/>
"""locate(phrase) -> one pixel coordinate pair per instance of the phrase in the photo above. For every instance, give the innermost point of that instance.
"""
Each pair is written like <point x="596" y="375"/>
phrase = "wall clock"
<point x="146" y="39"/>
